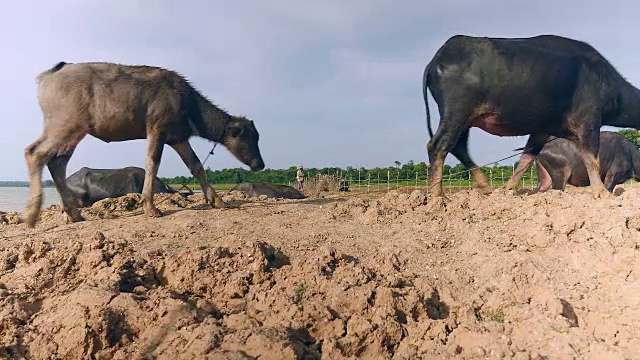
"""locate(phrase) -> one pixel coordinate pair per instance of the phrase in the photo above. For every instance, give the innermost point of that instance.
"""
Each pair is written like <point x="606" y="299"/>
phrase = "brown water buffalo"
<point x="269" y="190"/>
<point x="560" y="163"/>
<point x="90" y="185"/>
<point x="540" y="86"/>
<point x="115" y="102"/>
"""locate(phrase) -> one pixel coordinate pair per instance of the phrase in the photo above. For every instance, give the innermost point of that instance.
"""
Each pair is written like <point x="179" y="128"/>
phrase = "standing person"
<point x="300" y="177"/>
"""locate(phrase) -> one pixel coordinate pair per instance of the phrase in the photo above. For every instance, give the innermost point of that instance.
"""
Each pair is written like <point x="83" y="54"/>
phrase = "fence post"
<point x="350" y="178"/>
<point x="448" y="181"/>
<point x="490" y="177"/>
<point x="388" y="179"/>
<point x="531" y="179"/>
<point x="428" y="182"/>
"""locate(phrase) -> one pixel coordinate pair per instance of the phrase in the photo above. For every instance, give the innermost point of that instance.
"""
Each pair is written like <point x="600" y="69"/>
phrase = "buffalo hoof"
<point x="441" y="197"/>
<point x="30" y="217"/>
<point x="153" y="212"/>
<point x="30" y="221"/>
<point x="436" y="204"/>
<point x="508" y="187"/>
<point x="218" y="203"/>
<point x="74" y="219"/>
<point x="32" y="212"/>
<point x="603" y="194"/>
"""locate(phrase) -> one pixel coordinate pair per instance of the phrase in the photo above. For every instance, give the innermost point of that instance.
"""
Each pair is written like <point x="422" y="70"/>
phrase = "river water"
<point x="15" y="198"/>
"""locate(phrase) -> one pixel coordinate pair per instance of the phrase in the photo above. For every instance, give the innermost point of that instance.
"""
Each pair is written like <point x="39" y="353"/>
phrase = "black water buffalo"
<point x="539" y="86"/>
<point x="269" y="190"/>
<point x="90" y="185"/>
<point x="560" y="163"/>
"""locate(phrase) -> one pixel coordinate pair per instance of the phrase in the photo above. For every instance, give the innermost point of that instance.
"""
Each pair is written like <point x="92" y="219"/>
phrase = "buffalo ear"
<point x="235" y="129"/>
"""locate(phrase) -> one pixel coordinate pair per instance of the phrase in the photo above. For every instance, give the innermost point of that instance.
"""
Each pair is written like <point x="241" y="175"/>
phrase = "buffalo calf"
<point x="115" y="102"/>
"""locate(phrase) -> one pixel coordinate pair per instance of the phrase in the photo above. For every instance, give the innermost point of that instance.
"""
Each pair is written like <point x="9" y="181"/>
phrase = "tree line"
<point x="409" y="171"/>
<point x="11" y="183"/>
<point x="398" y="171"/>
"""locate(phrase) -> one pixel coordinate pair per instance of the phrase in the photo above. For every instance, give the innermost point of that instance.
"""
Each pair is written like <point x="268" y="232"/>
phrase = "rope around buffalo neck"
<point x="215" y="143"/>
<point x="209" y="154"/>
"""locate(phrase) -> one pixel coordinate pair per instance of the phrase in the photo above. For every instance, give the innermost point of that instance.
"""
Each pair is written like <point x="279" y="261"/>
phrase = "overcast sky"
<point x="328" y="83"/>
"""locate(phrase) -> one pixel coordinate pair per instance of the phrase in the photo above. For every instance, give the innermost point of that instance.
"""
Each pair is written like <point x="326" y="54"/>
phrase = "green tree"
<point x="421" y="169"/>
<point x="630" y="134"/>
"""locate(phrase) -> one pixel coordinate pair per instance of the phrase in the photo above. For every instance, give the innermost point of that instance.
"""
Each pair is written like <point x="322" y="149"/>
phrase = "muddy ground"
<point x="384" y="275"/>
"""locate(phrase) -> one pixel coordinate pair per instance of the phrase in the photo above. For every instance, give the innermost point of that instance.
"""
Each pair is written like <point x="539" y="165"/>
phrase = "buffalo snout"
<point x="257" y="165"/>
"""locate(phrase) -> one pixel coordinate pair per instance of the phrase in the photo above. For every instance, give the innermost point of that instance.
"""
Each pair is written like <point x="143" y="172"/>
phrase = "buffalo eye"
<point x="235" y="130"/>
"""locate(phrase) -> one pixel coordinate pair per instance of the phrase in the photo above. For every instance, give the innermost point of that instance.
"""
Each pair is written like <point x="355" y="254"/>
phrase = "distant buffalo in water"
<point x="269" y="190"/>
<point x="91" y="185"/>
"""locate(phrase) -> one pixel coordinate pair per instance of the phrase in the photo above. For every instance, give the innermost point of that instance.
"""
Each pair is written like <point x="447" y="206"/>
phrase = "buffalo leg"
<point x="553" y="171"/>
<point x="461" y="152"/>
<point x="58" y="168"/>
<point x="36" y="157"/>
<point x="589" y="143"/>
<point x="437" y="162"/>
<point x="544" y="178"/>
<point x="438" y="147"/>
<point x="526" y="159"/>
<point x="154" y="154"/>
<point x="37" y="154"/>
<point x="190" y="159"/>
<point x="610" y="182"/>
<point x="593" y="168"/>
<point x="615" y="177"/>
<point x="561" y="183"/>
<point x="532" y="148"/>
<point x="452" y="136"/>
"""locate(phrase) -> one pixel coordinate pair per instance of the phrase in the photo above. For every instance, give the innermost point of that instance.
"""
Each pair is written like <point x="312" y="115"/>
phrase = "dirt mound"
<point x="102" y="298"/>
<point x="321" y="183"/>
<point x="385" y="209"/>
<point x="128" y="202"/>
<point x="510" y="276"/>
<point x="10" y="218"/>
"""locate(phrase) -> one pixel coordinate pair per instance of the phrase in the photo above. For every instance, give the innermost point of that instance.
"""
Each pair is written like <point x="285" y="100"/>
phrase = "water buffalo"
<point x="90" y="185"/>
<point x="540" y="86"/>
<point x="559" y="163"/>
<point x="115" y="102"/>
<point x="270" y="190"/>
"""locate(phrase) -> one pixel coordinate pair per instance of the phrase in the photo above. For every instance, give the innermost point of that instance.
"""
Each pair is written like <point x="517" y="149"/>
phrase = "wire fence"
<point x="453" y="179"/>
